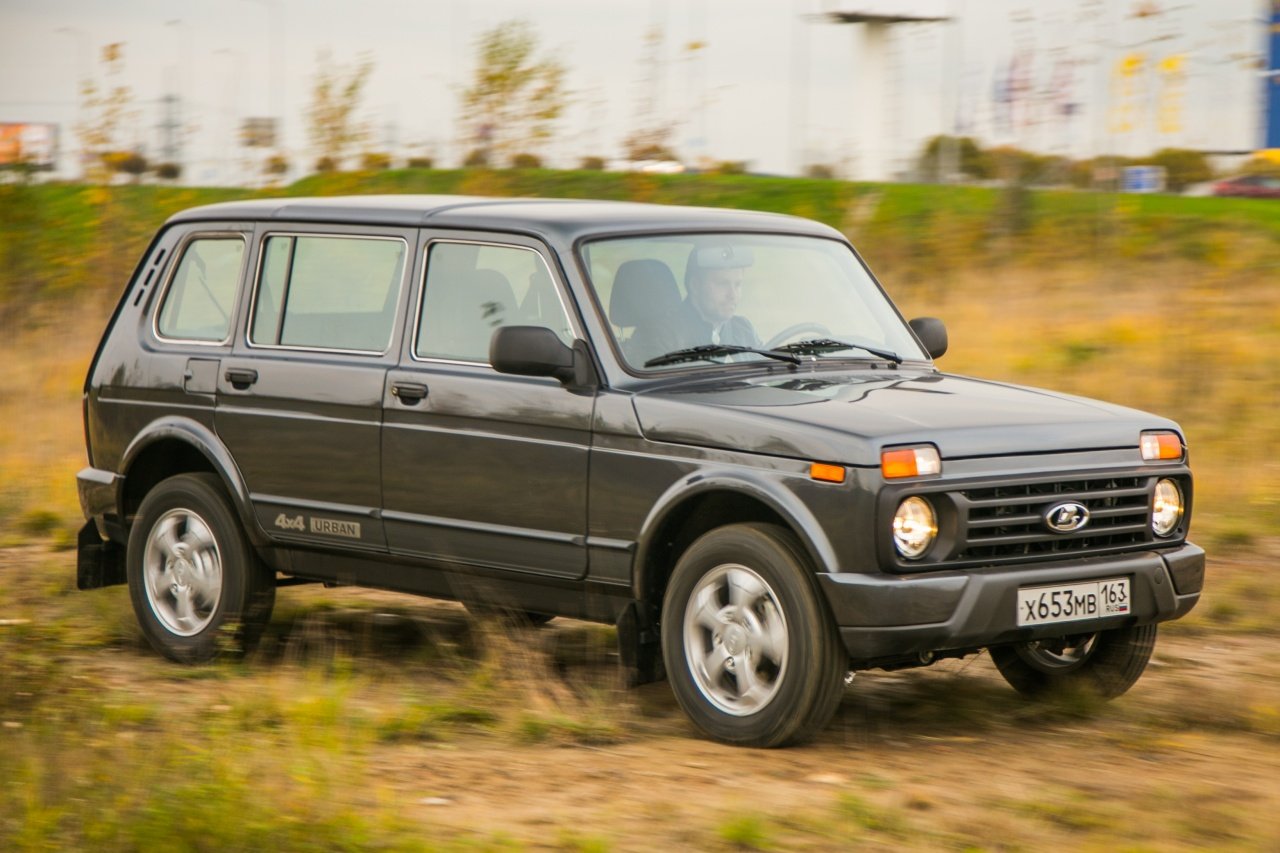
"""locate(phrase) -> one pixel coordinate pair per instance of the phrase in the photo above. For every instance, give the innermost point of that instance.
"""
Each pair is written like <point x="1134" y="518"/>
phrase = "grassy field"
<point x="377" y="722"/>
<point x="369" y="721"/>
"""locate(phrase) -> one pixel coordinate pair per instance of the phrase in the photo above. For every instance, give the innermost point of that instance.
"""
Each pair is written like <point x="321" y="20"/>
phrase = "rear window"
<point x="328" y="292"/>
<point x="201" y="297"/>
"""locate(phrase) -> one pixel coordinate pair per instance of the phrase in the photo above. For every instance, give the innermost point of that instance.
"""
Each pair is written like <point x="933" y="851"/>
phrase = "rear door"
<point x="299" y="401"/>
<point x="478" y="467"/>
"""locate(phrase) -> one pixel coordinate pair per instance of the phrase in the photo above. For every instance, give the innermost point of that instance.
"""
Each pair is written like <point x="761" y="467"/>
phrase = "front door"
<point x="481" y="468"/>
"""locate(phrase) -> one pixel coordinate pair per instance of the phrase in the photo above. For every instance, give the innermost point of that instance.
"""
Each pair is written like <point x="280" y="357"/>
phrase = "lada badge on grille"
<point x="1066" y="517"/>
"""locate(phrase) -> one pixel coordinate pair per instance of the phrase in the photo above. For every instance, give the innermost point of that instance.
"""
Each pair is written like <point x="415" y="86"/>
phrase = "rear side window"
<point x="472" y="289"/>
<point x="200" y="299"/>
<point x="335" y="293"/>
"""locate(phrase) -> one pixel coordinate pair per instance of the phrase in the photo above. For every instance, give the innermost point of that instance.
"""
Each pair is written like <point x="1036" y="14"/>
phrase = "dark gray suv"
<point x="710" y="428"/>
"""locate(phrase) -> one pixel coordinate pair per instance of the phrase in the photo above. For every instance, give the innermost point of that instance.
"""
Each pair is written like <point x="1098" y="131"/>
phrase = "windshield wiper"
<point x="707" y="352"/>
<point x="815" y="346"/>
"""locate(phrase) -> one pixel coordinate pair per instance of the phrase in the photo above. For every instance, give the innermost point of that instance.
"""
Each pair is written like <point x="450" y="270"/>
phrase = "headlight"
<point x="1166" y="508"/>
<point x="914" y="527"/>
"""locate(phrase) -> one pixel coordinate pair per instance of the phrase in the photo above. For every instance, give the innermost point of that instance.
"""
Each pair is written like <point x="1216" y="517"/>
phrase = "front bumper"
<point x="893" y="617"/>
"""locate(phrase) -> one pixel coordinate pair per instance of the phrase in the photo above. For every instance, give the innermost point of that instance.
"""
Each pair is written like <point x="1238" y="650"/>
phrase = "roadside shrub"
<point x="421" y="163"/>
<point x="375" y="161"/>
<point x="168" y="171"/>
<point x="526" y="161"/>
<point x="1182" y="167"/>
<point x="971" y="160"/>
<point x="591" y="164"/>
<point x="732" y="167"/>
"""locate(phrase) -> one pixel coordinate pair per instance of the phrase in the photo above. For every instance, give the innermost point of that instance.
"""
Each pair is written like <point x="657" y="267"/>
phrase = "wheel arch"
<point x="178" y="445"/>
<point x="700" y="503"/>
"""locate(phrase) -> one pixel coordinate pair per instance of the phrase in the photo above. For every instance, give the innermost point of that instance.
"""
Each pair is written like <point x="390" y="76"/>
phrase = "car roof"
<point x="566" y="219"/>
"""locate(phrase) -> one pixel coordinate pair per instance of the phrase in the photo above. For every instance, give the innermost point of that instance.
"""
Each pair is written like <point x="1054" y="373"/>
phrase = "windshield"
<point x="679" y="300"/>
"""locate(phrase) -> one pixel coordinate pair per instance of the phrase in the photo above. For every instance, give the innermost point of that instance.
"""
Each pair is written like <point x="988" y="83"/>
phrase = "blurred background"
<point x="1085" y="191"/>
<point x="247" y="92"/>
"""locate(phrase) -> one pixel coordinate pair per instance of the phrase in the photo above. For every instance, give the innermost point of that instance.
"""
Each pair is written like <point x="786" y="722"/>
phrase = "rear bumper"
<point x="885" y="617"/>
<point x="99" y="554"/>
<point x="98" y="492"/>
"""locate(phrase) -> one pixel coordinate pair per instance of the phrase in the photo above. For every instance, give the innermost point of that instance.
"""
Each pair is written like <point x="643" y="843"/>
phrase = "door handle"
<point x="241" y="377"/>
<point x="409" y="393"/>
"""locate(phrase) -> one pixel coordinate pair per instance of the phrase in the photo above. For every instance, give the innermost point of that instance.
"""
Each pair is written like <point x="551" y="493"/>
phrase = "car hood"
<point x="849" y="416"/>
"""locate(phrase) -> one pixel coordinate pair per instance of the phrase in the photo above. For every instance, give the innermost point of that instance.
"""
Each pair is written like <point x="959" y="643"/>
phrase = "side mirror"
<point x="531" y="351"/>
<point x="932" y="334"/>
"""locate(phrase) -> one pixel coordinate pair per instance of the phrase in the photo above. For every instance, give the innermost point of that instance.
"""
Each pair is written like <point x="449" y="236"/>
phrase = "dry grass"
<point x="1195" y="343"/>
<point x="41" y="426"/>
<point x="375" y="722"/>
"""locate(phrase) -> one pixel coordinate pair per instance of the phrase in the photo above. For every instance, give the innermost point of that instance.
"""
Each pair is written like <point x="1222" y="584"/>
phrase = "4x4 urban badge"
<point x="710" y="428"/>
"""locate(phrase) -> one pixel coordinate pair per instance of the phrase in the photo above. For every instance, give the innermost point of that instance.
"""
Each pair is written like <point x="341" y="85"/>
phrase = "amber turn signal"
<point x="1161" y="446"/>
<point x="910" y="462"/>
<point x="826" y="473"/>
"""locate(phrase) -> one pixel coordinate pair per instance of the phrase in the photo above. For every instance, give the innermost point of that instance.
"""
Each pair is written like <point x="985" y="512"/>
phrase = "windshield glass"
<point x="726" y="294"/>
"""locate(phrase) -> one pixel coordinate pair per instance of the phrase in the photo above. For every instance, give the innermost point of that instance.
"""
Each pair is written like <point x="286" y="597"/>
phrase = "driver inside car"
<point x="708" y="314"/>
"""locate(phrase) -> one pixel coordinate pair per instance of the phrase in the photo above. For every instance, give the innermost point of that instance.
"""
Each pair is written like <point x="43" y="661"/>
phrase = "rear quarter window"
<point x="200" y="300"/>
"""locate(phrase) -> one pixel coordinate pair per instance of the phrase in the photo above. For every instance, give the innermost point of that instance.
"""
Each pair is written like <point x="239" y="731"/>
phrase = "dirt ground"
<point x="945" y="757"/>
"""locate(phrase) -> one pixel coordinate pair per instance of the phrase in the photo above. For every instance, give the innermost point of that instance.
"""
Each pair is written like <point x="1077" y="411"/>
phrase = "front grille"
<point x="1007" y="521"/>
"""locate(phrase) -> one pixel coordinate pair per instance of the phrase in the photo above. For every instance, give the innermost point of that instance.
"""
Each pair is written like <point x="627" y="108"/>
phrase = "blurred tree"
<point x="335" y="97"/>
<point x="651" y="137"/>
<point x="515" y="97"/>
<point x="1182" y="167"/>
<point x="129" y="163"/>
<point x="819" y="171"/>
<point x="1261" y="165"/>
<point x="731" y="167"/>
<point x="526" y="161"/>
<point x="275" y="168"/>
<point x="421" y="162"/>
<point x="105" y="108"/>
<point x="591" y="164"/>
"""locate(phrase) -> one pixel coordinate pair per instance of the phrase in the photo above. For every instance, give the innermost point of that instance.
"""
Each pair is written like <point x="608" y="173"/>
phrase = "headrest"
<point x="643" y="290"/>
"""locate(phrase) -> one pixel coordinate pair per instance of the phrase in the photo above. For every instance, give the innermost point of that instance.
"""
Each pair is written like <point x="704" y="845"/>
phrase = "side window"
<point x="328" y="292"/>
<point x="201" y="297"/>
<point x="472" y="289"/>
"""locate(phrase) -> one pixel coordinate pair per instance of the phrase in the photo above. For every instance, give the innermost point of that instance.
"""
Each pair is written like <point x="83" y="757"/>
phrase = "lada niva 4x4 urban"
<point x="710" y="428"/>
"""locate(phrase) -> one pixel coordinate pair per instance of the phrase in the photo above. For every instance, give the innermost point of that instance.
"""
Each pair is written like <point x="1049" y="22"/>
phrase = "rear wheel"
<point x="196" y="584"/>
<point x="751" y="653"/>
<point x="1108" y="662"/>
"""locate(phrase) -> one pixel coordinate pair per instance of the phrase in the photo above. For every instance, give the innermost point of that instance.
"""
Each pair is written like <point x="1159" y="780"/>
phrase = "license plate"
<point x="1044" y="605"/>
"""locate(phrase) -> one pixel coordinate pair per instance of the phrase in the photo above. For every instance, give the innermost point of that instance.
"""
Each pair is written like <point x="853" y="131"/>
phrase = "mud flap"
<point x="98" y="563"/>
<point x="639" y="645"/>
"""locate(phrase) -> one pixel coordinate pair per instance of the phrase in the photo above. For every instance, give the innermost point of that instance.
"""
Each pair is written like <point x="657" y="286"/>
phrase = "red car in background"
<point x="1249" y="186"/>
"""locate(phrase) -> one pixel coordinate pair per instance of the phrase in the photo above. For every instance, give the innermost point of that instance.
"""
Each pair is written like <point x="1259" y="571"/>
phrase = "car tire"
<point x="750" y="649"/>
<point x="1107" y="662"/>
<point x="197" y="587"/>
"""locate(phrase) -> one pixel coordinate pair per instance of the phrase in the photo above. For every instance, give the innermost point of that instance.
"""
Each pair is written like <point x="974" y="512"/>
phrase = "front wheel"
<point x="196" y="584"/>
<point x="1107" y="662"/>
<point x="752" y="654"/>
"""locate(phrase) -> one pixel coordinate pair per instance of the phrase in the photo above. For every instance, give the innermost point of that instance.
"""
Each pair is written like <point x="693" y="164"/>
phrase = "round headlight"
<point x="914" y="527"/>
<point x="1166" y="508"/>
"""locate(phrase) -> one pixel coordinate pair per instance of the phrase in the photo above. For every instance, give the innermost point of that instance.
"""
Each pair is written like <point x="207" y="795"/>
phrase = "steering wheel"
<point x="795" y="329"/>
